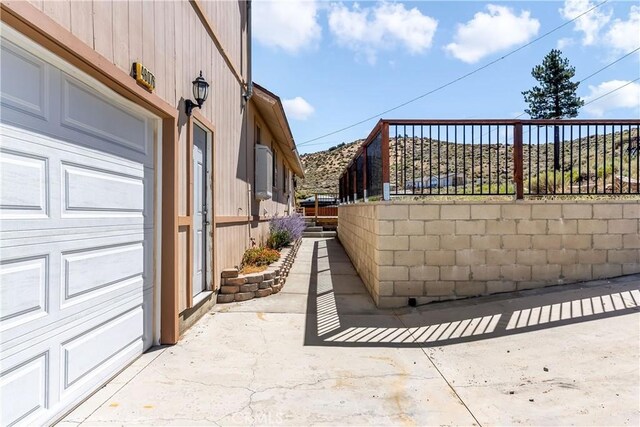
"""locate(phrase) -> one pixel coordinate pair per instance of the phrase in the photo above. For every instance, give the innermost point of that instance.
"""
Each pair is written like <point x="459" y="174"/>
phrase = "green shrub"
<point x="278" y="239"/>
<point x="260" y="256"/>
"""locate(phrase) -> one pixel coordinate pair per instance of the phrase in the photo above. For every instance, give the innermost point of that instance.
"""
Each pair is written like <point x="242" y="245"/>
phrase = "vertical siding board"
<point x="121" y="35"/>
<point x="179" y="35"/>
<point x="148" y="26"/>
<point x="82" y="21"/>
<point x="159" y="47"/>
<point x="103" y="28"/>
<point x="135" y="30"/>
<point x="59" y="11"/>
<point x="170" y="58"/>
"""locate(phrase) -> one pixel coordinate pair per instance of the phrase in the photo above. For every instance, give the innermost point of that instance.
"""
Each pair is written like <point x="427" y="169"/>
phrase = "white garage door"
<point x="77" y="222"/>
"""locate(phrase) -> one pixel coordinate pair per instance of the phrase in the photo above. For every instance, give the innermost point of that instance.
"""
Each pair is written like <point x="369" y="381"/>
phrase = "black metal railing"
<point x="495" y="157"/>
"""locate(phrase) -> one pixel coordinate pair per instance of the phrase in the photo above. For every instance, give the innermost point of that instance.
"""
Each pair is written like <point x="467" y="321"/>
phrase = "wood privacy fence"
<point x="324" y="205"/>
<point x="494" y="157"/>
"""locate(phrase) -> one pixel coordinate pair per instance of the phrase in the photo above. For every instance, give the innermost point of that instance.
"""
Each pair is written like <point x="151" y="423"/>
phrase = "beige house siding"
<point x="447" y="250"/>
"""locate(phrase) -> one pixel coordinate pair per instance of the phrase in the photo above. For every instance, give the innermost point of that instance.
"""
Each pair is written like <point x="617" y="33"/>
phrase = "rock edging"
<point x="238" y="287"/>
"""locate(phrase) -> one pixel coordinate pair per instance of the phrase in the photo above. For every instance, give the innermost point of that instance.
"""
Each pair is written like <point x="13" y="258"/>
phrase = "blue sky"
<point x="337" y="63"/>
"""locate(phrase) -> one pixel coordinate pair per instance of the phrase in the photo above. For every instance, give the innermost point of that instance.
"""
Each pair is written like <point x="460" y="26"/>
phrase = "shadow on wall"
<point x="340" y="312"/>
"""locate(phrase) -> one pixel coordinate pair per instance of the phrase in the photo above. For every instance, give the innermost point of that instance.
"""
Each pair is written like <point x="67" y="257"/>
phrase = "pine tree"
<point x="555" y="97"/>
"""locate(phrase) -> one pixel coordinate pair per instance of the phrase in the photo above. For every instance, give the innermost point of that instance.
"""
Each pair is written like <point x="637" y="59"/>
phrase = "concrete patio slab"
<point x="320" y="353"/>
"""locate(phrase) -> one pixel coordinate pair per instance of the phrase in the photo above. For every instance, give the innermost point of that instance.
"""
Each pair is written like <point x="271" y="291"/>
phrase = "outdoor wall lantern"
<point x="200" y="92"/>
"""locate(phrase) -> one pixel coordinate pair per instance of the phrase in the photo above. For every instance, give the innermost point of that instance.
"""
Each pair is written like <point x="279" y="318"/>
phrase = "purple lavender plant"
<point x="293" y="224"/>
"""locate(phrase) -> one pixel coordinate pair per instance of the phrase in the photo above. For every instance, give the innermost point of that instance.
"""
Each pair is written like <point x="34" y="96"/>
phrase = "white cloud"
<point x="291" y="25"/>
<point x="383" y="26"/>
<point x="589" y="24"/>
<point x="298" y="108"/>
<point x="625" y="98"/>
<point x="565" y="42"/>
<point x="492" y="31"/>
<point x="624" y="36"/>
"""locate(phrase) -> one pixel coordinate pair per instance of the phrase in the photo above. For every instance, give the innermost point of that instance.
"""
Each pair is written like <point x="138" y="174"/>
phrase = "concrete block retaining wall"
<point x="242" y="287"/>
<point x="436" y="250"/>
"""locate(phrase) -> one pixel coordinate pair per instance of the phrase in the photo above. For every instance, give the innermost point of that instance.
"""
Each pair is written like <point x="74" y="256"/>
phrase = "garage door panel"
<point x="89" y="190"/>
<point x="29" y="381"/>
<point x="82" y="276"/>
<point x="23" y="193"/>
<point x="87" y="112"/>
<point x="23" y="290"/>
<point x="23" y="81"/>
<point x="95" y="346"/>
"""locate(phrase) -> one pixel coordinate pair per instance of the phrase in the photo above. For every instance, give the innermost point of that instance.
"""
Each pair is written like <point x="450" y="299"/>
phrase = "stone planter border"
<point x="238" y="287"/>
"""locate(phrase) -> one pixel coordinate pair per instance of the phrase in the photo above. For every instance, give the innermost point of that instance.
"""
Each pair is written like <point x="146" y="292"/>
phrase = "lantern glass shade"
<point x="200" y="89"/>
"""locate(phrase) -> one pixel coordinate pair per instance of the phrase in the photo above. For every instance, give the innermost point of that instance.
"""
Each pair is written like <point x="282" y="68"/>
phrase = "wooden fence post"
<point x="316" y="200"/>
<point x="518" y="159"/>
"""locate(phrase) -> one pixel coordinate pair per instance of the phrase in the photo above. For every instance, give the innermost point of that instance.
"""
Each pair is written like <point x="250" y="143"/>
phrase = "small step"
<point x="319" y="234"/>
<point x="314" y="228"/>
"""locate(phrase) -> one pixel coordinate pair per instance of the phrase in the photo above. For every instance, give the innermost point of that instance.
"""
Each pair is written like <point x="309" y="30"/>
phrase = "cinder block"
<point x="516" y="273"/>
<point x="630" y="241"/>
<point x="576" y="241"/>
<point x="235" y="281"/>
<point x="455" y="272"/>
<point x="466" y="288"/>
<point x="501" y="256"/>
<point x="243" y="296"/>
<point x="577" y="211"/>
<point x="393" y="243"/>
<point x="439" y="288"/>
<point x="546" y="211"/>
<point x="536" y="226"/>
<point x="424" y="242"/>
<point x="546" y="242"/>
<point x="410" y="258"/>
<point x="471" y="227"/>
<point x="607" y="210"/>
<point x="563" y="256"/>
<point x="516" y="242"/>
<point x="393" y="273"/>
<point x="391" y="211"/>
<point x="485" y="211"/>
<point x="409" y="288"/>
<point x="501" y="227"/>
<point x="551" y="272"/>
<point x="516" y="211"/>
<point x="442" y="257"/>
<point x="385" y="288"/>
<point x="592" y="226"/>
<point x="408" y="228"/>
<point x="623" y="226"/>
<point x="605" y="271"/>
<point x="225" y="298"/>
<point x="608" y="241"/>
<point x="633" y="268"/>
<point x="500" y="286"/>
<point x="455" y="242"/>
<point x="577" y="272"/>
<point x="592" y="256"/>
<point x="485" y="272"/>
<point x="424" y="272"/>
<point x="250" y="287"/>
<point x="229" y="289"/>
<point x="383" y="257"/>
<point x="255" y="278"/>
<point x="631" y="211"/>
<point x="424" y="212"/>
<point x="470" y="257"/>
<point x="384" y="228"/>
<point x="439" y="227"/>
<point x="623" y="256"/>
<point x="263" y="292"/>
<point x="485" y="242"/>
<point x="566" y="226"/>
<point x="455" y="212"/>
<point x="532" y="257"/>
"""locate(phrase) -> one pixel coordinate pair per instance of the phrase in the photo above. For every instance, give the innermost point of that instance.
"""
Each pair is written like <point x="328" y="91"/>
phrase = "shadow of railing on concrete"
<point x="340" y="312"/>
